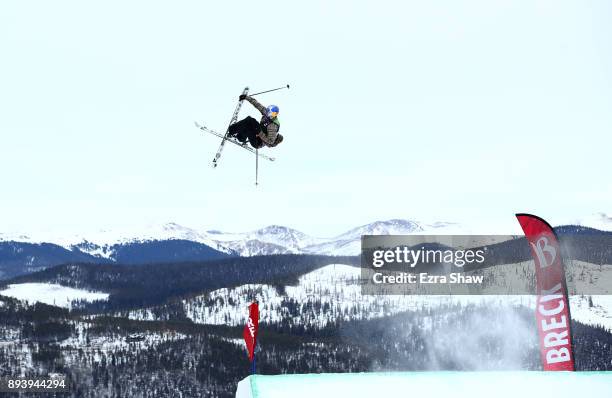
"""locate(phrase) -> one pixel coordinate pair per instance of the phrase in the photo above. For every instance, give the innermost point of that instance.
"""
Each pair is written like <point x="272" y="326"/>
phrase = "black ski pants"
<point x="247" y="129"/>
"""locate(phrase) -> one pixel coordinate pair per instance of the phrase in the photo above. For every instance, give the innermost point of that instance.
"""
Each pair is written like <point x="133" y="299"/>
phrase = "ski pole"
<point x="267" y="91"/>
<point x="256" y="166"/>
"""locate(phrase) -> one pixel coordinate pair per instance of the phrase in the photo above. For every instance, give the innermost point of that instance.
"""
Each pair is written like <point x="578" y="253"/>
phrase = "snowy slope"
<point x="51" y="294"/>
<point x="349" y="243"/>
<point x="333" y="293"/>
<point x="102" y="243"/>
<point x="593" y="310"/>
<point x="321" y="297"/>
<point x="390" y="227"/>
<point x="273" y="234"/>
<point x="273" y="239"/>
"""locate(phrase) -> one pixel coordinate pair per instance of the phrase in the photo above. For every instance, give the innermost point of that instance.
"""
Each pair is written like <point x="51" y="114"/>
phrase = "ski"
<point x="232" y="121"/>
<point x="235" y="142"/>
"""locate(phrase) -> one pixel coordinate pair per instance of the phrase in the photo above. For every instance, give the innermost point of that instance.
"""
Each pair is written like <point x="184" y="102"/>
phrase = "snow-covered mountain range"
<point x="174" y="242"/>
<point x="273" y="239"/>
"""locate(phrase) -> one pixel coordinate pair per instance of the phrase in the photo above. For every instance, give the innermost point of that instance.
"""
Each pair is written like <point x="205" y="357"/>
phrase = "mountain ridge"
<point x="100" y="244"/>
<point x="172" y="242"/>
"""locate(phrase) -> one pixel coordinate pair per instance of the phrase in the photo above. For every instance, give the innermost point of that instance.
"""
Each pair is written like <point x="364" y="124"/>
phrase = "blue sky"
<point x="447" y="110"/>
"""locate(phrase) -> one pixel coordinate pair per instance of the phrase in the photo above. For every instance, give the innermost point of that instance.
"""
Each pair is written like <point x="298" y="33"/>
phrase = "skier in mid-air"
<point x="259" y="134"/>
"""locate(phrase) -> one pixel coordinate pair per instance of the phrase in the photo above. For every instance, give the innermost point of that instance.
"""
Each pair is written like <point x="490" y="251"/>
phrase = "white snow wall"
<point x="430" y="384"/>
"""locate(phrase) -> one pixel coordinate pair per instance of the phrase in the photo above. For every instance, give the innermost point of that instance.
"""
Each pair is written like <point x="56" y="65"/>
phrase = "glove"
<point x="242" y="96"/>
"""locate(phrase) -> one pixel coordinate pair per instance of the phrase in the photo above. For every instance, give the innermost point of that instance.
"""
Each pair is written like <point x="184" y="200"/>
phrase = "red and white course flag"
<point x="250" y="330"/>
<point x="552" y="305"/>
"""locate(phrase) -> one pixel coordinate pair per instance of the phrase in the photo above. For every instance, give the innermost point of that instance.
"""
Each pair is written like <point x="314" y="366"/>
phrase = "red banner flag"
<point x="250" y="330"/>
<point x="552" y="304"/>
